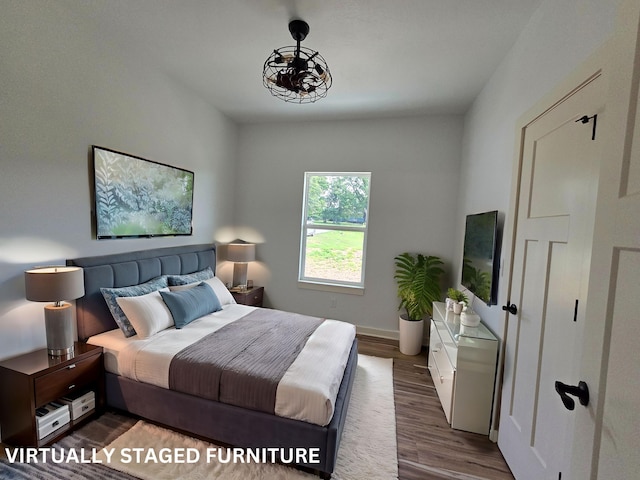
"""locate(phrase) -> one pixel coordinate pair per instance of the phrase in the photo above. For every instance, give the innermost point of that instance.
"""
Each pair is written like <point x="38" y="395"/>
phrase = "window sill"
<point x="330" y="287"/>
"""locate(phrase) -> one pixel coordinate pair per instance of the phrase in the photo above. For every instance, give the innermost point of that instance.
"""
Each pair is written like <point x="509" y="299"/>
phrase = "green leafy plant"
<point x="457" y="295"/>
<point x="418" y="279"/>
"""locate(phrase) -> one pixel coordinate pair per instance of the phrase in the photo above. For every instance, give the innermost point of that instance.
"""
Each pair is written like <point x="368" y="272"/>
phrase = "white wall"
<point x="414" y="165"/>
<point x="560" y="35"/>
<point x="63" y="88"/>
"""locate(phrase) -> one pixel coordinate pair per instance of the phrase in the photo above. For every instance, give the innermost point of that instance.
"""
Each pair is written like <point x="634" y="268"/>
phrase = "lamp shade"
<point x="53" y="284"/>
<point x="241" y="252"/>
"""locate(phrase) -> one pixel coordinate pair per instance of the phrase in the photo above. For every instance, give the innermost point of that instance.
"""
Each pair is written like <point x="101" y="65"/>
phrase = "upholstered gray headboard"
<point x="131" y="268"/>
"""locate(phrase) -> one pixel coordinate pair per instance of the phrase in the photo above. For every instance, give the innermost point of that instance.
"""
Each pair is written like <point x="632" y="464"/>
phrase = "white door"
<point x="550" y="272"/>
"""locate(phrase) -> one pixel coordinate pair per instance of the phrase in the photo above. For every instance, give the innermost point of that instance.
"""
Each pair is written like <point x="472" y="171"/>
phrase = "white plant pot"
<point x="457" y="307"/>
<point x="411" y="336"/>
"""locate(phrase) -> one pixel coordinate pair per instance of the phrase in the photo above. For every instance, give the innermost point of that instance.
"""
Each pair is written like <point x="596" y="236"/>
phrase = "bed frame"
<point x="206" y="419"/>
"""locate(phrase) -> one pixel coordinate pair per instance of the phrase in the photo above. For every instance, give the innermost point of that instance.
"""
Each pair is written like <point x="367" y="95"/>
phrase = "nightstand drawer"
<point x="61" y="382"/>
<point x="254" y="299"/>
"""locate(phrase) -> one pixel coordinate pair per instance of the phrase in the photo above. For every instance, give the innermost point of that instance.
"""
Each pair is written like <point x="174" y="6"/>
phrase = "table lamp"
<point x="240" y="253"/>
<point x="55" y="284"/>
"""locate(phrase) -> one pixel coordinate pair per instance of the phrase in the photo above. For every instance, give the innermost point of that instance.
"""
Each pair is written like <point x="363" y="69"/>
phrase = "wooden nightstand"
<point x="252" y="296"/>
<point x="34" y="379"/>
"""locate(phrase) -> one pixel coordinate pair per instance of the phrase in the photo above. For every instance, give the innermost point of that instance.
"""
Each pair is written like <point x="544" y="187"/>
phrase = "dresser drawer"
<point x="442" y="371"/>
<point x="444" y="380"/>
<point x="67" y="379"/>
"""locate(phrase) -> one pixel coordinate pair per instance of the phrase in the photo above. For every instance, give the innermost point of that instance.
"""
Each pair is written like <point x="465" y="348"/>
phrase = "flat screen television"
<point x="481" y="258"/>
<point x="135" y="197"/>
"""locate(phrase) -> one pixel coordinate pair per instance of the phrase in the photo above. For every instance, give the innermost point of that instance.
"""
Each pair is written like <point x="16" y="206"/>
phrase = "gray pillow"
<point x="188" y="305"/>
<point x="205" y="274"/>
<point x="110" y="295"/>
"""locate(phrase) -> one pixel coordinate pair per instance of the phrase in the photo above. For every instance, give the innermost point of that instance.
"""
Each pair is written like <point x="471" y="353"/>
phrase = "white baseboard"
<point x="378" y="332"/>
<point x="382" y="333"/>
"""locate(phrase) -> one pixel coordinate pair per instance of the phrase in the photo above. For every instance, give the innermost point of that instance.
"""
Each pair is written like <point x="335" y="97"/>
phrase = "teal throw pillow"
<point x="188" y="305"/>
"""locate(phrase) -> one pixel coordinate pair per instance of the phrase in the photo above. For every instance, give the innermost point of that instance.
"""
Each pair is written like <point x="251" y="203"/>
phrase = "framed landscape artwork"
<point x="135" y="197"/>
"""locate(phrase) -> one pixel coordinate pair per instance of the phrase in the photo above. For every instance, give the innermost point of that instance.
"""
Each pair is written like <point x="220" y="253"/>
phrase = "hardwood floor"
<point x="427" y="447"/>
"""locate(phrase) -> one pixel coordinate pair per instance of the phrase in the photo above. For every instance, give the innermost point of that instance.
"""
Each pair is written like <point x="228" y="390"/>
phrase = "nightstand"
<point x="252" y="296"/>
<point x="34" y="379"/>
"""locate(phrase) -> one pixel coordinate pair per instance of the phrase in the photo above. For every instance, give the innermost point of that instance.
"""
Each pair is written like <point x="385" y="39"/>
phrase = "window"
<point x="334" y="229"/>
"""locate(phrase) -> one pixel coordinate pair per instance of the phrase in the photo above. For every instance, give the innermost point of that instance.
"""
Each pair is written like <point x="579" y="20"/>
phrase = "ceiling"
<point x="387" y="57"/>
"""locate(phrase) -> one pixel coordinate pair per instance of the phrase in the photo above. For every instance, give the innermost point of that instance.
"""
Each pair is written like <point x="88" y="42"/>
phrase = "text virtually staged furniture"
<point x="44" y="397"/>
<point x="150" y="368"/>
<point x="462" y="363"/>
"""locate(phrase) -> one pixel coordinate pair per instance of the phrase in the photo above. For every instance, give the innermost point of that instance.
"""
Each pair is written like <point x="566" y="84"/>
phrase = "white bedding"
<point x="306" y="392"/>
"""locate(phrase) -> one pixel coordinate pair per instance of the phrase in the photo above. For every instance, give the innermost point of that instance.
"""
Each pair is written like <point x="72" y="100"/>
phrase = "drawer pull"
<point x="73" y="365"/>
<point x="56" y="423"/>
<point x="72" y="386"/>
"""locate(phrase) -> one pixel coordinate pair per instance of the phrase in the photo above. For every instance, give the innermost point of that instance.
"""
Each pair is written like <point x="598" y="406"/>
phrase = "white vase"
<point x="457" y="307"/>
<point x="410" y="336"/>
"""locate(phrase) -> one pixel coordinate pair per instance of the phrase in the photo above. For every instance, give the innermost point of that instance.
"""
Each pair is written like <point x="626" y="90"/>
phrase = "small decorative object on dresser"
<point x="39" y="400"/>
<point x="469" y="318"/>
<point x="455" y="300"/>
<point x="462" y="363"/>
<point x="249" y="296"/>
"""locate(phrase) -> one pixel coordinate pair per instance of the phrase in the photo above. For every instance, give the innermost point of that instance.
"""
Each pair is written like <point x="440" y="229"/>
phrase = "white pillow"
<point x="223" y="294"/>
<point x="147" y="313"/>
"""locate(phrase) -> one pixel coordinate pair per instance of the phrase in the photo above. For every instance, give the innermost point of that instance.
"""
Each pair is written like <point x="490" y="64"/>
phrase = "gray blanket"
<point x="243" y="362"/>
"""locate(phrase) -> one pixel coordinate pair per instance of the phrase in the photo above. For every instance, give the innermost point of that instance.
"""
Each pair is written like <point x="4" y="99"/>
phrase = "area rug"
<point x="368" y="448"/>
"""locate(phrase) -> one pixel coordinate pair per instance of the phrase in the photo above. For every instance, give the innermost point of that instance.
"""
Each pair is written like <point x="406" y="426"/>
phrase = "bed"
<point x="190" y="413"/>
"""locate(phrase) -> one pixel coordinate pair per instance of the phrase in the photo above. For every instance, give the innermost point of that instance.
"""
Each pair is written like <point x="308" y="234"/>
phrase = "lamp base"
<point x="239" y="273"/>
<point x="58" y="323"/>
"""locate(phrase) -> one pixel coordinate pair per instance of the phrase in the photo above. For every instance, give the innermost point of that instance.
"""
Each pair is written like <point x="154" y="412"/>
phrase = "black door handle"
<point x="581" y="391"/>
<point x="510" y="307"/>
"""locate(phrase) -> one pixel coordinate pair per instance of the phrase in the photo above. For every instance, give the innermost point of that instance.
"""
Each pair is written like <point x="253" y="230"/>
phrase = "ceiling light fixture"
<point x="297" y="74"/>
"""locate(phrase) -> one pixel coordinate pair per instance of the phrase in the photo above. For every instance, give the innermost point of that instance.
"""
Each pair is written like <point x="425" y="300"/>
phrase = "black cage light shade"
<point x="297" y="74"/>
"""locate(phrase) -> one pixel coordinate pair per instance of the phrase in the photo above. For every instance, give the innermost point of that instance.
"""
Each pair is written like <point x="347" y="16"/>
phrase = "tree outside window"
<point x="334" y="228"/>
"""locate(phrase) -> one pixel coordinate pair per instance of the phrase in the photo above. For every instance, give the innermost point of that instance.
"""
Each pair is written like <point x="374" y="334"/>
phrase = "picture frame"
<point x="139" y="198"/>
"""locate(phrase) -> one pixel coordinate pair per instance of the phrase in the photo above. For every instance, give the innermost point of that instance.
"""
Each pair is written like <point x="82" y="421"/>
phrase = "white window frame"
<point x="340" y="286"/>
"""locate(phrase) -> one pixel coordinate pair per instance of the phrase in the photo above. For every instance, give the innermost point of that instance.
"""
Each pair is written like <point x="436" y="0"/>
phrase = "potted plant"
<point x="458" y="299"/>
<point x="418" y="279"/>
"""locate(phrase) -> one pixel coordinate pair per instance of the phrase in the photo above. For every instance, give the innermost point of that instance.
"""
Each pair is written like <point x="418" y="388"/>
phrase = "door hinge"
<point x="585" y="119"/>
<point x="575" y="311"/>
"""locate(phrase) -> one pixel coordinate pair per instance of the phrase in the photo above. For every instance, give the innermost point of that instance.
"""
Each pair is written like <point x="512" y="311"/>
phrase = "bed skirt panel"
<point x="228" y="424"/>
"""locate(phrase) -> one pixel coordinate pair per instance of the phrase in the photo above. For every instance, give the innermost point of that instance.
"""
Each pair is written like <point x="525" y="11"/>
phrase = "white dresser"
<point x="462" y="363"/>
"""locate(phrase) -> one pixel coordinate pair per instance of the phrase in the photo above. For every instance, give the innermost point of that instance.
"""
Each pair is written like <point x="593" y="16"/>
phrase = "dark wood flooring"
<point x="427" y="447"/>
